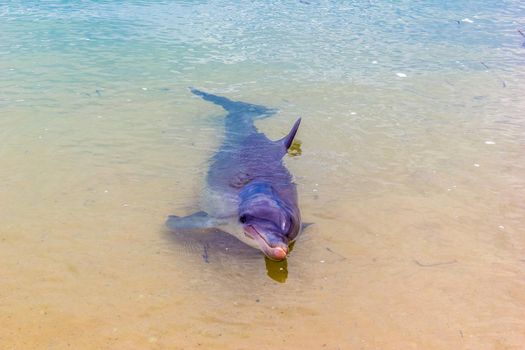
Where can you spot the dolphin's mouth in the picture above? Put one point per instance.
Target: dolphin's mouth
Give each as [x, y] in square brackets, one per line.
[274, 253]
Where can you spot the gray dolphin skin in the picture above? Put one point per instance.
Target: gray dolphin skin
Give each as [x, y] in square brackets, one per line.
[249, 192]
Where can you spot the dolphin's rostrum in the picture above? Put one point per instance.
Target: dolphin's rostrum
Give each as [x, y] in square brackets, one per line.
[249, 192]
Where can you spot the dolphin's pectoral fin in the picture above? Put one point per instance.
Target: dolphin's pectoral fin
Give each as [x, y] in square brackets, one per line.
[199, 220]
[305, 225]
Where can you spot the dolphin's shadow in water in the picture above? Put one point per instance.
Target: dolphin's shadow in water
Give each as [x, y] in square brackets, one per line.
[219, 248]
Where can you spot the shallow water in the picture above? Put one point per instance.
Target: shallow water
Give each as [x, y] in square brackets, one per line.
[412, 171]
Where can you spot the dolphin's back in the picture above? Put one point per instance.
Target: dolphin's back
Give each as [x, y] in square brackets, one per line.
[252, 157]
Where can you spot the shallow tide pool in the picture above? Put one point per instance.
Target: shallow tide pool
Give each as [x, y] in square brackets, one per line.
[412, 171]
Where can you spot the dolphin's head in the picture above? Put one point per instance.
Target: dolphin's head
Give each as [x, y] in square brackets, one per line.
[268, 220]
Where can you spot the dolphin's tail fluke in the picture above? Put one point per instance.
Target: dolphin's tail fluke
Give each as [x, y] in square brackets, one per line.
[235, 107]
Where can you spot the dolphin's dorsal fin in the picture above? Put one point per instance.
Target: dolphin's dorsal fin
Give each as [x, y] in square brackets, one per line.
[288, 139]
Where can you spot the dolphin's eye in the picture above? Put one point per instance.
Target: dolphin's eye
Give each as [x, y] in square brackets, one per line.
[243, 219]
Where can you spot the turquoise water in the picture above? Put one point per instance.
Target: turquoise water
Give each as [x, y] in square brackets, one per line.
[412, 170]
[50, 46]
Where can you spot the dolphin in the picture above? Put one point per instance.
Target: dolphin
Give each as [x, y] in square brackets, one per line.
[249, 193]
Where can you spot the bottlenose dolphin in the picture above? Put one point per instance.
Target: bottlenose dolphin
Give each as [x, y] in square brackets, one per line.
[249, 193]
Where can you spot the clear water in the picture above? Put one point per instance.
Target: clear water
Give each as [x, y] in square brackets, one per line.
[412, 169]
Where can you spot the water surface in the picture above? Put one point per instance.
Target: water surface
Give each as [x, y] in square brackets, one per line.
[412, 169]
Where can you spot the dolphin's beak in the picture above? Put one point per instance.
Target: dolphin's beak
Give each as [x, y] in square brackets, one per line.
[275, 252]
